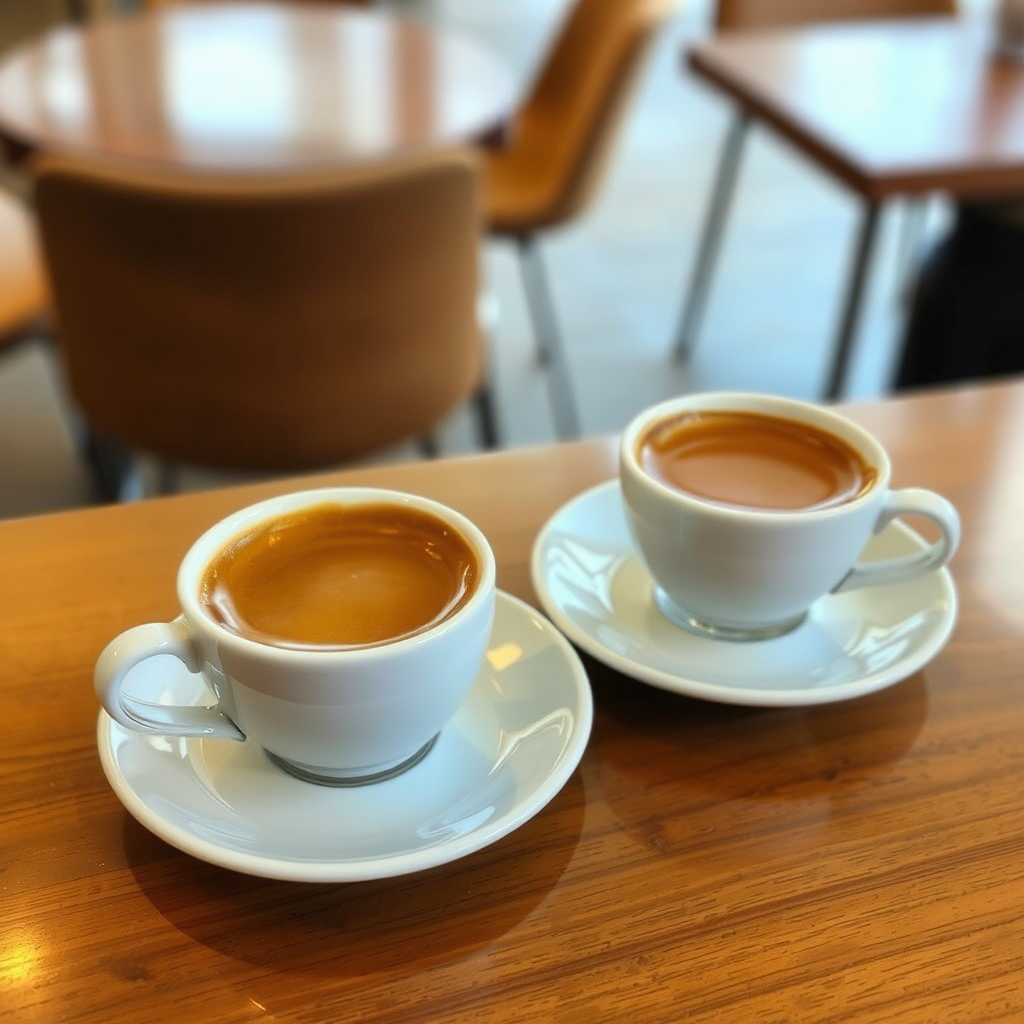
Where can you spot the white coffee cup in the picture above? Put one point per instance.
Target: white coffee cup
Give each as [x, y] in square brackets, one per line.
[336, 716]
[753, 573]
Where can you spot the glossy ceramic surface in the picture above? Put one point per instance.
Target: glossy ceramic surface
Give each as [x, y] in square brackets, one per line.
[509, 749]
[599, 594]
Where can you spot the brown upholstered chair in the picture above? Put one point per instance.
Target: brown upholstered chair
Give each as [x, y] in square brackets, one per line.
[560, 142]
[733, 15]
[266, 324]
[24, 291]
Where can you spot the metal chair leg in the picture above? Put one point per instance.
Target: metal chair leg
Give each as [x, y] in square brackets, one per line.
[488, 315]
[428, 446]
[486, 424]
[852, 302]
[117, 474]
[710, 238]
[487, 421]
[526, 247]
[549, 344]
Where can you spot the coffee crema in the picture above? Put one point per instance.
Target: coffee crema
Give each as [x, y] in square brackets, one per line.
[752, 460]
[336, 577]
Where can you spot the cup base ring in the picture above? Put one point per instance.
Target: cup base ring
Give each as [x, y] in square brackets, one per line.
[679, 616]
[339, 777]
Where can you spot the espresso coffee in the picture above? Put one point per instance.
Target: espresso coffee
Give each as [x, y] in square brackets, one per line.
[338, 576]
[753, 460]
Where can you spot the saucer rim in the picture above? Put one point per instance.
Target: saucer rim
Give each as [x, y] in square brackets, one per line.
[385, 866]
[689, 686]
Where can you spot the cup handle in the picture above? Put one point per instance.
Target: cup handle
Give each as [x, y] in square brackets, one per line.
[916, 502]
[137, 644]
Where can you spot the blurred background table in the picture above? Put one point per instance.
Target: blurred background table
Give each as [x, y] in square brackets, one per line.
[260, 87]
[890, 108]
[858, 861]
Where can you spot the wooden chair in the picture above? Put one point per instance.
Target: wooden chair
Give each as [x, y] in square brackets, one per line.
[560, 142]
[24, 291]
[733, 15]
[266, 324]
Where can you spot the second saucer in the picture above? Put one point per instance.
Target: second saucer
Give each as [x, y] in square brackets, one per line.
[598, 592]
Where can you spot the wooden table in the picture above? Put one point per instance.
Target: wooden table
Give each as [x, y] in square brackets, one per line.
[890, 108]
[252, 88]
[856, 862]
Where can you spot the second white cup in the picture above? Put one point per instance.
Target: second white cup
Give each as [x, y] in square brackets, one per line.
[748, 508]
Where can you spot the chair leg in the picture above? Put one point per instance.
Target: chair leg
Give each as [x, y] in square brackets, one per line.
[487, 429]
[545, 328]
[710, 238]
[116, 472]
[549, 343]
[852, 302]
[428, 446]
[487, 421]
[488, 314]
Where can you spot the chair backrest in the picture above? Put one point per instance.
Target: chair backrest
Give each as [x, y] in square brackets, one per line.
[739, 14]
[565, 129]
[23, 288]
[265, 324]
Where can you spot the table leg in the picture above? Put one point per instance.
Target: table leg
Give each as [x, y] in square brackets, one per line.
[853, 300]
[710, 237]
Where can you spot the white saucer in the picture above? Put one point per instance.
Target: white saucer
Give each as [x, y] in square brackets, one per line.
[600, 595]
[509, 749]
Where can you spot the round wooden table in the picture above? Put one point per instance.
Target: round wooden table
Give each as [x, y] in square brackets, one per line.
[250, 87]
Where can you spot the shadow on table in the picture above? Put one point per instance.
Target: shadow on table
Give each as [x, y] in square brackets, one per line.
[683, 775]
[393, 924]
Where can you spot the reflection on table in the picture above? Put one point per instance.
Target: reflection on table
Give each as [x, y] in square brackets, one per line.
[250, 87]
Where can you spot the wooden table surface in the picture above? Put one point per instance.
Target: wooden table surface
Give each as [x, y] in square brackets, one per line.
[250, 87]
[889, 107]
[856, 862]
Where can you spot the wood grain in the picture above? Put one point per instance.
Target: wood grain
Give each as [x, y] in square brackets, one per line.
[250, 87]
[859, 862]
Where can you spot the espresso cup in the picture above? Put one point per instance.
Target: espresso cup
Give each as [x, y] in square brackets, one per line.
[339, 629]
[748, 508]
